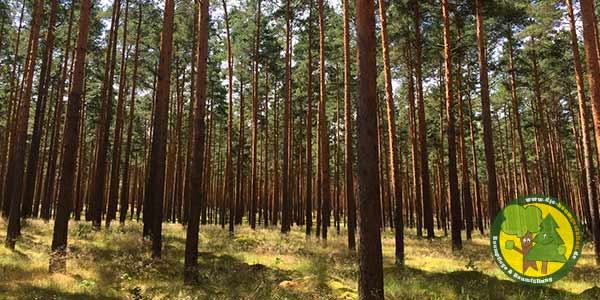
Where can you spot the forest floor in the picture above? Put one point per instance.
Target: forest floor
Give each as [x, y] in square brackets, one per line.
[261, 264]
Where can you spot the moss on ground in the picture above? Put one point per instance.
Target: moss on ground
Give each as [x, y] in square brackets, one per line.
[261, 264]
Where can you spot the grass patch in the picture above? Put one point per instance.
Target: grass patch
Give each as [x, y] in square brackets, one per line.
[261, 264]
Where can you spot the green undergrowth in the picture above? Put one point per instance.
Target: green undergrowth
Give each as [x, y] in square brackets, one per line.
[261, 264]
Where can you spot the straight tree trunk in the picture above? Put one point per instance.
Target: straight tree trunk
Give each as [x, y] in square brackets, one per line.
[254, 178]
[167, 207]
[46, 68]
[488, 142]
[427, 203]
[337, 151]
[113, 195]
[442, 193]
[265, 194]
[478, 200]
[591, 54]
[81, 163]
[450, 131]
[309, 120]
[370, 277]
[465, 187]
[71, 139]
[209, 176]
[12, 106]
[178, 188]
[190, 125]
[517, 115]
[100, 163]
[240, 160]
[229, 196]
[323, 129]
[47, 197]
[147, 207]
[542, 124]
[348, 151]
[276, 191]
[16, 166]
[191, 241]
[45, 155]
[125, 187]
[395, 176]
[285, 182]
[158, 152]
[416, 189]
[589, 191]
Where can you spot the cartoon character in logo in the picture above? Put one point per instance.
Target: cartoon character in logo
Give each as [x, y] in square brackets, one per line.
[549, 246]
[522, 222]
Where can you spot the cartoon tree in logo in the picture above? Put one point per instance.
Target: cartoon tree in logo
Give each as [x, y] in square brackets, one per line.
[522, 222]
[549, 246]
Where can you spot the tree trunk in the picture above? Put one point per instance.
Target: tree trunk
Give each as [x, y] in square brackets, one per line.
[488, 142]
[71, 139]
[370, 278]
[381, 166]
[276, 191]
[229, 196]
[477, 194]
[48, 191]
[191, 242]
[159, 135]
[337, 151]
[591, 54]
[190, 125]
[450, 131]
[427, 206]
[586, 168]
[348, 151]
[16, 166]
[113, 195]
[323, 129]
[32, 162]
[286, 204]
[125, 188]
[415, 155]
[465, 187]
[394, 166]
[254, 178]
[517, 116]
[81, 163]
[99, 179]
[147, 207]
[240, 160]
[442, 190]
[541, 124]
[309, 120]
[265, 194]
[12, 106]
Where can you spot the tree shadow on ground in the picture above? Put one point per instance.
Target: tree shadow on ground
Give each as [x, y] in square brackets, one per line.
[585, 273]
[220, 276]
[419, 284]
[225, 277]
[30, 292]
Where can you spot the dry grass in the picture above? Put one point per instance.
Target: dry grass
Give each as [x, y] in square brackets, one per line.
[261, 264]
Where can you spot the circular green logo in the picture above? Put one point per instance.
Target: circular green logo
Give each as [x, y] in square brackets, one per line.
[536, 240]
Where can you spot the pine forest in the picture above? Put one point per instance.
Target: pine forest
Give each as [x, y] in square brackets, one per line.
[296, 149]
